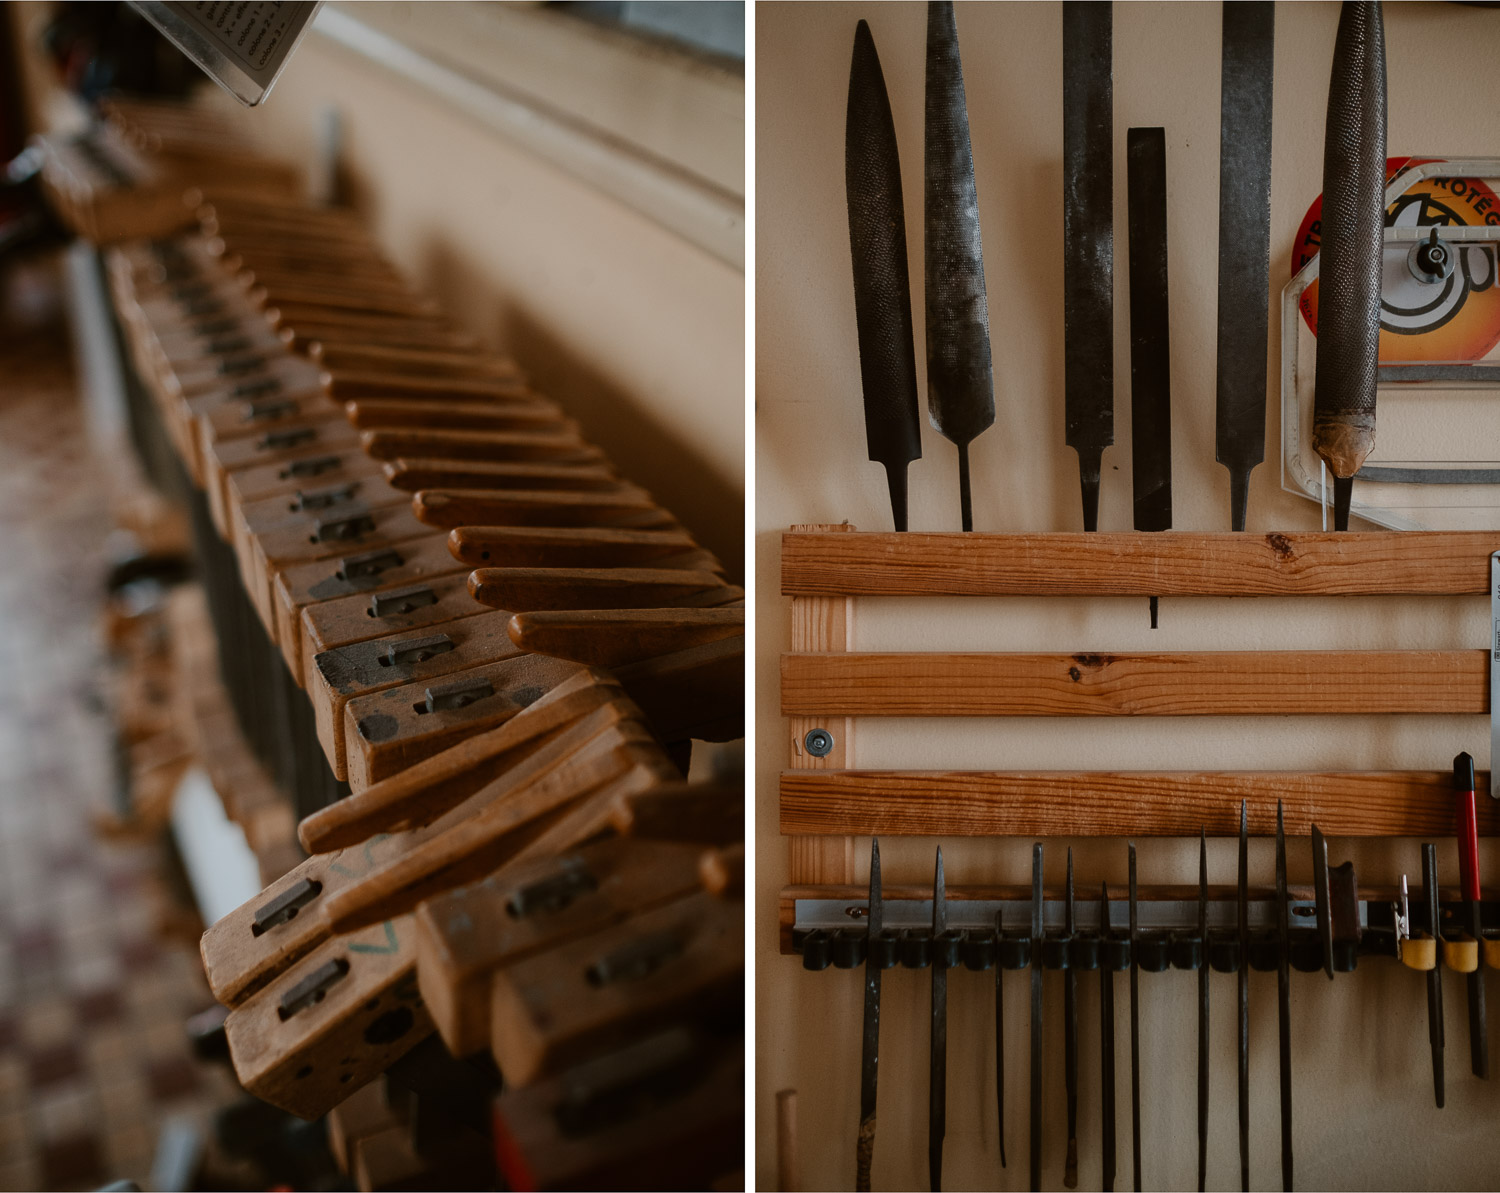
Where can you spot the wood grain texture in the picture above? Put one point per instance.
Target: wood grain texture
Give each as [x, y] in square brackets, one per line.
[821, 624]
[547, 1015]
[573, 546]
[421, 793]
[464, 935]
[410, 475]
[1209, 683]
[1130, 564]
[614, 637]
[625, 505]
[1107, 804]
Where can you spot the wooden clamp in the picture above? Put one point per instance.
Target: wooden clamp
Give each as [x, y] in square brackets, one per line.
[259, 939]
[682, 963]
[371, 569]
[330, 1022]
[422, 792]
[410, 475]
[465, 934]
[667, 1110]
[362, 668]
[584, 546]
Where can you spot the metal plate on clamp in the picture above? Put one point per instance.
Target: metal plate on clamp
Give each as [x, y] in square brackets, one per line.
[274, 408]
[315, 466]
[350, 524]
[555, 892]
[636, 960]
[321, 499]
[233, 366]
[258, 388]
[419, 650]
[370, 563]
[285, 906]
[291, 437]
[311, 989]
[401, 600]
[460, 694]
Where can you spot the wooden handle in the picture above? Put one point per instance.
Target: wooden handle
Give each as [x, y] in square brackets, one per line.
[1172, 563]
[411, 475]
[558, 447]
[566, 546]
[788, 1165]
[683, 812]
[524, 589]
[613, 637]
[723, 871]
[625, 505]
[425, 791]
[345, 384]
[478, 414]
[378, 358]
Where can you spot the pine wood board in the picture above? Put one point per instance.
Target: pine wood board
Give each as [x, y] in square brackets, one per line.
[1136, 564]
[1207, 683]
[821, 624]
[1107, 804]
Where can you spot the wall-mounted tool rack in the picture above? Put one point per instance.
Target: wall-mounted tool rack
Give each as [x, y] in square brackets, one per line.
[824, 804]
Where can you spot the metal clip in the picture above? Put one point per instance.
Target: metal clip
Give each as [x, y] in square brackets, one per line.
[418, 650]
[321, 499]
[233, 366]
[401, 600]
[354, 524]
[291, 437]
[311, 990]
[370, 563]
[258, 388]
[638, 959]
[260, 411]
[552, 894]
[457, 695]
[285, 906]
[313, 467]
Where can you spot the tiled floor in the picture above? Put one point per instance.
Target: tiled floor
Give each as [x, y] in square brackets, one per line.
[93, 1053]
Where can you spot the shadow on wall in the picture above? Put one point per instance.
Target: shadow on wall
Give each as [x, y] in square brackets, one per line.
[642, 446]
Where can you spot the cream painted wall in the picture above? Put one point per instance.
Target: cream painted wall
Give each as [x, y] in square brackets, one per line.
[1362, 1087]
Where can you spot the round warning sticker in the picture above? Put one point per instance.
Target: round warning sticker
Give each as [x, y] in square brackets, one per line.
[1426, 313]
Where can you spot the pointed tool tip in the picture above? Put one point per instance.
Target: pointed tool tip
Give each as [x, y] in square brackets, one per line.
[1239, 498]
[1343, 498]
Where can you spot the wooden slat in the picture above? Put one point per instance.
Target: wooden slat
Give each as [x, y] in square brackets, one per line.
[1105, 804]
[821, 624]
[1165, 564]
[1210, 683]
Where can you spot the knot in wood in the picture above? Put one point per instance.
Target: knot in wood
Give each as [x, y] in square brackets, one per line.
[1281, 547]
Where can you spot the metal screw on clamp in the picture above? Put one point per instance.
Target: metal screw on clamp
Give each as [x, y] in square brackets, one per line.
[819, 742]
